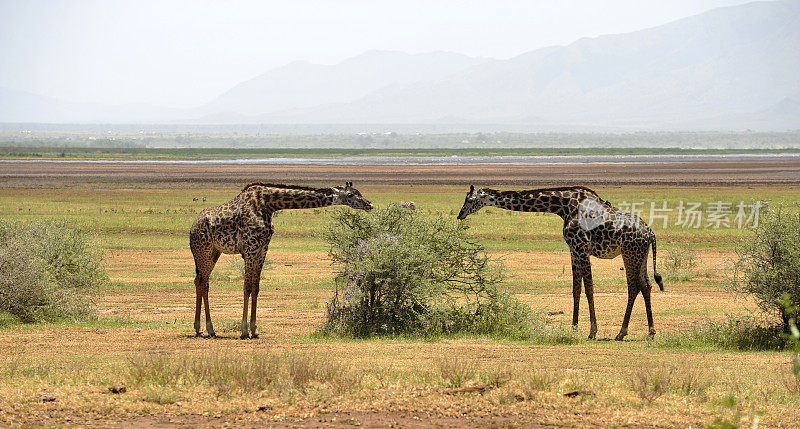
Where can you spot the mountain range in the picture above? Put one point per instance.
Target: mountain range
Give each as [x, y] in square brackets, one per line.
[729, 68]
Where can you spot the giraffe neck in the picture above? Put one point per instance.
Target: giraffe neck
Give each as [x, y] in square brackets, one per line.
[561, 202]
[274, 199]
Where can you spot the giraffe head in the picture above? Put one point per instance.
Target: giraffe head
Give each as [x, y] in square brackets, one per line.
[349, 196]
[476, 198]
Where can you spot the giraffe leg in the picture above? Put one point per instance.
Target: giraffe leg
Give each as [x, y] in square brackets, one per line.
[255, 281]
[254, 304]
[200, 283]
[589, 288]
[209, 325]
[646, 287]
[577, 278]
[198, 288]
[204, 260]
[624, 330]
[582, 271]
[632, 274]
[247, 273]
[651, 330]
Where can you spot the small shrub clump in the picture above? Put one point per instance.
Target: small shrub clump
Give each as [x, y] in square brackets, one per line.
[768, 268]
[651, 383]
[680, 263]
[455, 371]
[48, 271]
[768, 271]
[404, 273]
[735, 333]
[793, 381]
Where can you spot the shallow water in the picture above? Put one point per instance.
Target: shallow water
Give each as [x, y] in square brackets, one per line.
[448, 160]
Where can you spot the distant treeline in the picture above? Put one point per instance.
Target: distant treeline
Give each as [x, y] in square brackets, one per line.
[392, 140]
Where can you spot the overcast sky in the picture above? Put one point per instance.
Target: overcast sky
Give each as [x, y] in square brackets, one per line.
[184, 53]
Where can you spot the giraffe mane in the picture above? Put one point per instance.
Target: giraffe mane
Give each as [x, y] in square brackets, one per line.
[555, 189]
[560, 188]
[280, 186]
[567, 188]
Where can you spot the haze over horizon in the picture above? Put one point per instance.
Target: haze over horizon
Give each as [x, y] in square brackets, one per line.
[185, 53]
[579, 65]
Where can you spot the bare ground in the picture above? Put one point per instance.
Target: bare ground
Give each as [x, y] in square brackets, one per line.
[769, 171]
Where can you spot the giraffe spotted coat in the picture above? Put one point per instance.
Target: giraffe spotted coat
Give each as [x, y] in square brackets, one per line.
[592, 227]
[243, 226]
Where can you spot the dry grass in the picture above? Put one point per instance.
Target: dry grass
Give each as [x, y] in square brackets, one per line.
[162, 395]
[651, 383]
[231, 377]
[281, 373]
[144, 339]
[456, 371]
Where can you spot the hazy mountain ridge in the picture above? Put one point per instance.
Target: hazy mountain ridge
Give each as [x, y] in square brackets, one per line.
[23, 106]
[727, 61]
[302, 84]
[728, 68]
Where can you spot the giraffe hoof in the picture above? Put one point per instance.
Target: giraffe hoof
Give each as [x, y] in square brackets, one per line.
[254, 336]
[592, 336]
[245, 337]
[198, 334]
[619, 337]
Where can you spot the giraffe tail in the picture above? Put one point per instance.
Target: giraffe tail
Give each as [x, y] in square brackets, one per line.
[656, 275]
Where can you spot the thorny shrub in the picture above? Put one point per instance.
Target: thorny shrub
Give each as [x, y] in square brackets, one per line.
[48, 271]
[403, 273]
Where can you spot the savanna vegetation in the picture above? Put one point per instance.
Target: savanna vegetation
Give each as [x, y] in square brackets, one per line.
[48, 272]
[707, 365]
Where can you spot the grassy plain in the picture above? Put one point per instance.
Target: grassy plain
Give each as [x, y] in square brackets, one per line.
[144, 339]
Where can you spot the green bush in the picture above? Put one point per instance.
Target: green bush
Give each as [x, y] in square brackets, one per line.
[403, 273]
[793, 383]
[48, 271]
[735, 332]
[769, 265]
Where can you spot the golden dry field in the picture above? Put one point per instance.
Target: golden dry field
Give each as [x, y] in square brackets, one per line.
[59, 374]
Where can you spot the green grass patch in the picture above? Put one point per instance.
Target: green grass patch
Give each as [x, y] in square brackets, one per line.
[160, 218]
[734, 333]
[7, 319]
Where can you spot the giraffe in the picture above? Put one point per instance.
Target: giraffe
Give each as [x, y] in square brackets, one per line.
[243, 225]
[592, 227]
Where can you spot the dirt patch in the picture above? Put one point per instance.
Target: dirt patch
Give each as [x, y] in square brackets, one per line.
[346, 419]
[721, 172]
[158, 422]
